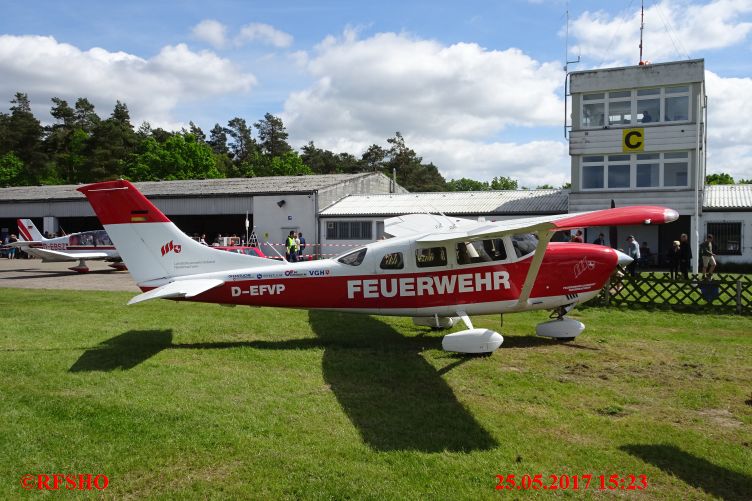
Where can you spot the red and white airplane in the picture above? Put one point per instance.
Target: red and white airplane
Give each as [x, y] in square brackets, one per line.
[74, 247]
[436, 269]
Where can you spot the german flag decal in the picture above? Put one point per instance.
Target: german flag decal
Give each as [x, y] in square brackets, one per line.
[139, 216]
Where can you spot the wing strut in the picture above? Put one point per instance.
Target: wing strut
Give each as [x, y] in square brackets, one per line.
[543, 238]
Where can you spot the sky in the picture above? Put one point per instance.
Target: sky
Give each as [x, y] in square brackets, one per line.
[476, 87]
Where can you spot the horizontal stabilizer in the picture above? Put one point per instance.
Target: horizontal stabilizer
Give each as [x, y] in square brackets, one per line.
[179, 289]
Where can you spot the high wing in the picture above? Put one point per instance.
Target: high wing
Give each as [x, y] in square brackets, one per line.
[179, 289]
[434, 228]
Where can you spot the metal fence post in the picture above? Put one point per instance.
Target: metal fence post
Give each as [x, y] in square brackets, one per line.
[739, 296]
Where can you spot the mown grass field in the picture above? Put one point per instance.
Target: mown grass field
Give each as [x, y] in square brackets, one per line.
[190, 401]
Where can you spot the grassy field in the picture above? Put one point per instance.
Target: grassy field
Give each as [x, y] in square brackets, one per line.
[183, 401]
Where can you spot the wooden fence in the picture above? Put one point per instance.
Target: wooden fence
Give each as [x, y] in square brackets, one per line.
[726, 293]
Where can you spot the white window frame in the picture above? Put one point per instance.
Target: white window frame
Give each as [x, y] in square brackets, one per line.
[634, 106]
[633, 162]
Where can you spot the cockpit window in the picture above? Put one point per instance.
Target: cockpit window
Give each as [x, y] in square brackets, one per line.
[354, 258]
[481, 251]
[392, 261]
[524, 243]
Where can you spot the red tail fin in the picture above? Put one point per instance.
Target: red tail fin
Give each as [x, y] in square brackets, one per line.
[119, 202]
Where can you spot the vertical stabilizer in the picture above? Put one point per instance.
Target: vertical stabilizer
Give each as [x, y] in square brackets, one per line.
[28, 231]
[151, 246]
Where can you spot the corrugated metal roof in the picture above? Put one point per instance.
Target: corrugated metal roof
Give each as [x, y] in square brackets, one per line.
[196, 187]
[731, 196]
[456, 203]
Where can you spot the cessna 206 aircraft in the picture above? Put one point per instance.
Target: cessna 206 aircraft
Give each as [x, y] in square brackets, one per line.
[74, 247]
[436, 269]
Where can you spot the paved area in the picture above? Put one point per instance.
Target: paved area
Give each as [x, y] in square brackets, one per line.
[33, 274]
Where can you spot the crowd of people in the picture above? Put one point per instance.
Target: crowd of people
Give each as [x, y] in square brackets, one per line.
[678, 258]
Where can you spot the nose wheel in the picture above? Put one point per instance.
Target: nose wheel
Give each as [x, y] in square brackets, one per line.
[559, 327]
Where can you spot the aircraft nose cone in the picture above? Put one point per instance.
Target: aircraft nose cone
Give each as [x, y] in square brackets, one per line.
[623, 259]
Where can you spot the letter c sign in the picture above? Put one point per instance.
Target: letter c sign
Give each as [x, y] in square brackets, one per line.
[633, 140]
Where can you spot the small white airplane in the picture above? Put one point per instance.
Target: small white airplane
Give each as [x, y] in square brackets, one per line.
[436, 269]
[74, 247]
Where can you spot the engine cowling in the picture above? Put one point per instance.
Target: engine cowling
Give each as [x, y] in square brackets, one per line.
[472, 341]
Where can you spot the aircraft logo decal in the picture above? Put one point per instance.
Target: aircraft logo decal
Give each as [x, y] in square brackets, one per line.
[582, 266]
[170, 246]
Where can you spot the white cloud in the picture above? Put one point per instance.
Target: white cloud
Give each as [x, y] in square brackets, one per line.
[152, 88]
[264, 33]
[673, 29]
[729, 125]
[211, 31]
[462, 94]
[533, 164]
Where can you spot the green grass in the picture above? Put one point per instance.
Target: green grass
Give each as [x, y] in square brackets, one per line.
[191, 401]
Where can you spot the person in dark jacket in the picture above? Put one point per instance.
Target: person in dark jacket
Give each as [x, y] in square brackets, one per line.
[685, 255]
[674, 260]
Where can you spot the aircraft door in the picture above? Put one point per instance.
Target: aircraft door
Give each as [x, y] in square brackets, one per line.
[391, 265]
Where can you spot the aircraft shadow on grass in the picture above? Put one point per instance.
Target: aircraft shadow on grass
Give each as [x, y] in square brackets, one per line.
[391, 394]
[695, 471]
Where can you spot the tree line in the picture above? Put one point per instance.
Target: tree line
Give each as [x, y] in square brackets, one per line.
[82, 147]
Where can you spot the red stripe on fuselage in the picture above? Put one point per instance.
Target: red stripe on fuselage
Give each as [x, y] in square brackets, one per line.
[567, 269]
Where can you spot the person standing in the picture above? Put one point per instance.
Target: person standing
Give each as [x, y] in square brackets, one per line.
[601, 240]
[13, 251]
[674, 260]
[708, 257]
[633, 251]
[291, 248]
[577, 238]
[685, 255]
[301, 246]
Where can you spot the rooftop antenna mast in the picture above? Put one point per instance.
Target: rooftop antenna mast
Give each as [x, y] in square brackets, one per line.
[642, 27]
[567, 62]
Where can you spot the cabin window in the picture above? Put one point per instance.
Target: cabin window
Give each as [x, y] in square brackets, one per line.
[392, 261]
[349, 230]
[481, 251]
[430, 257]
[524, 244]
[354, 258]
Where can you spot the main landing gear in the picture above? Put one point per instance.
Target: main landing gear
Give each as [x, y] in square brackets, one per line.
[471, 340]
[80, 267]
[560, 328]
